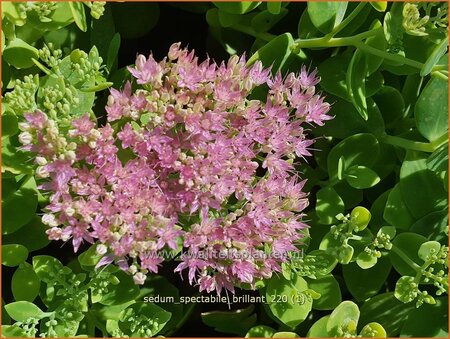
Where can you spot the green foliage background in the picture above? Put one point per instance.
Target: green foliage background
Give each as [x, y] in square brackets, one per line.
[376, 255]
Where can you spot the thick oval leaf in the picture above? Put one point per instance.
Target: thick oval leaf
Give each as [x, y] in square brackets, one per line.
[328, 205]
[47, 267]
[20, 207]
[260, 331]
[286, 300]
[360, 149]
[329, 290]
[274, 53]
[13, 255]
[145, 16]
[77, 9]
[386, 310]
[235, 322]
[434, 57]
[356, 82]
[319, 328]
[361, 177]
[373, 330]
[427, 321]
[25, 283]
[344, 317]
[326, 15]
[32, 235]
[431, 111]
[237, 7]
[409, 244]
[20, 54]
[366, 283]
[396, 213]
[427, 249]
[433, 226]
[22, 310]
[380, 6]
[10, 125]
[121, 293]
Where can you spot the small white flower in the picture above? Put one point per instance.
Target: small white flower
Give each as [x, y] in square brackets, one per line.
[139, 278]
[70, 211]
[25, 138]
[132, 269]
[41, 161]
[49, 220]
[101, 249]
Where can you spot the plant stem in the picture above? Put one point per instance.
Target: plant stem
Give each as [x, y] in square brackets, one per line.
[408, 144]
[405, 258]
[388, 56]
[346, 21]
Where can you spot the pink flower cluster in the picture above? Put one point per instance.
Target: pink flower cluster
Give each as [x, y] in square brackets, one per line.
[188, 159]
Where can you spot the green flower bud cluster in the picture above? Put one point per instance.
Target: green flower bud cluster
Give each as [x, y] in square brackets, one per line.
[58, 99]
[87, 66]
[22, 98]
[43, 9]
[139, 324]
[28, 326]
[413, 23]
[50, 55]
[314, 264]
[97, 8]
[435, 259]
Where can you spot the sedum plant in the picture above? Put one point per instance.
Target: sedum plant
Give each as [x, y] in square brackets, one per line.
[243, 157]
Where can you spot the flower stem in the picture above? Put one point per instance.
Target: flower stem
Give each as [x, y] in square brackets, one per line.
[347, 20]
[405, 258]
[408, 144]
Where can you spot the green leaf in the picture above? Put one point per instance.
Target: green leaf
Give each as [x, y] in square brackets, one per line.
[344, 317]
[348, 122]
[438, 161]
[260, 331]
[404, 291]
[433, 226]
[275, 52]
[227, 19]
[264, 21]
[434, 57]
[102, 34]
[391, 104]
[96, 88]
[22, 310]
[89, 257]
[427, 321]
[12, 12]
[19, 54]
[386, 310]
[241, 7]
[77, 9]
[361, 177]
[14, 160]
[319, 328]
[414, 173]
[287, 300]
[285, 335]
[366, 283]
[373, 330]
[378, 41]
[360, 149]
[25, 283]
[333, 72]
[366, 260]
[66, 328]
[113, 51]
[427, 249]
[125, 291]
[396, 213]
[329, 290]
[13, 255]
[47, 268]
[235, 322]
[409, 244]
[326, 15]
[380, 6]
[274, 7]
[431, 111]
[329, 204]
[10, 125]
[13, 331]
[32, 235]
[356, 77]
